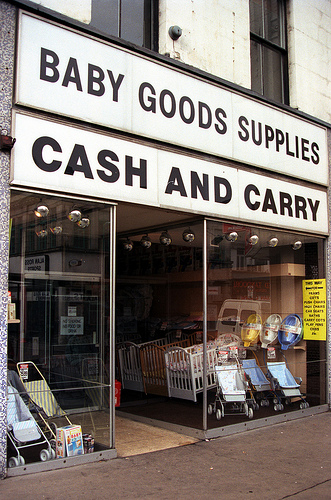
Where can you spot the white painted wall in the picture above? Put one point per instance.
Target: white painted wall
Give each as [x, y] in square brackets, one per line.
[215, 36]
[309, 46]
[76, 9]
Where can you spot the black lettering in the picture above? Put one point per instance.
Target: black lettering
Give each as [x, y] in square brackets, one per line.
[241, 121]
[175, 183]
[300, 206]
[257, 141]
[269, 135]
[37, 154]
[196, 184]
[115, 84]
[305, 149]
[140, 171]
[287, 142]
[172, 111]
[95, 77]
[48, 61]
[280, 138]
[151, 100]
[314, 208]
[315, 157]
[218, 182]
[78, 162]
[269, 202]
[218, 114]
[182, 102]
[297, 154]
[204, 107]
[285, 203]
[72, 75]
[103, 161]
[251, 188]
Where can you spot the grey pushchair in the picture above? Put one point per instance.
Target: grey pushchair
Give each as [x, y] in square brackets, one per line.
[231, 391]
[23, 431]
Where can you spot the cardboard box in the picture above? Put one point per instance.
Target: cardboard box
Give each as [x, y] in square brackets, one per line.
[69, 441]
[11, 311]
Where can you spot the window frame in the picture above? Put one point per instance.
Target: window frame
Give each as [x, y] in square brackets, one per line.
[282, 50]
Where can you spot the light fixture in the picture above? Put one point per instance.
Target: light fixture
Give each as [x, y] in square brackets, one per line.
[42, 233]
[165, 239]
[146, 241]
[83, 222]
[127, 245]
[253, 240]
[41, 211]
[188, 235]
[273, 242]
[297, 245]
[175, 32]
[75, 215]
[56, 229]
[232, 236]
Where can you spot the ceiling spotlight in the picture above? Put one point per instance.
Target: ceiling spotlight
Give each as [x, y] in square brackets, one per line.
[83, 222]
[56, 229]
[253, 240]
[42, 233]
[188, 235]
[74, 215]
[165, 239]
[146, 241]
[232, 236]
[41, 211]
[297, 245]
[273, 242]
[127, 245]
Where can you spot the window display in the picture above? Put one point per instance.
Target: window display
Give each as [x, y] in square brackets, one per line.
[59, 326]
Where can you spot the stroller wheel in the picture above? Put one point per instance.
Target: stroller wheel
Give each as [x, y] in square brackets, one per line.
[53, 454]
[250, 413]
[210, 409]
[13, 462]
[218, 414]
[45, 455]
[21, 459]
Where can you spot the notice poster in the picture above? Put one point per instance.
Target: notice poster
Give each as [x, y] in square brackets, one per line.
[314, 309]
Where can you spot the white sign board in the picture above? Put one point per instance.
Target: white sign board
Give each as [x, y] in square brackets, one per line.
[35, 263]
[74, 75]
[73, 159]
[72, 325]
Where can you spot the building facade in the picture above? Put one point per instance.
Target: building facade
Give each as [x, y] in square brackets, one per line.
[164, 220]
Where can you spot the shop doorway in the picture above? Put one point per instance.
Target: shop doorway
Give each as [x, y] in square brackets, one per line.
[251, 274]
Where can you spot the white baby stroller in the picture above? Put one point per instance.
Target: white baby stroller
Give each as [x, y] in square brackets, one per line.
[284, 385]
[23, 431]
[231, 391]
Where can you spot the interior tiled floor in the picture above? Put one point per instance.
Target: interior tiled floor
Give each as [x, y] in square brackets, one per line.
[135, 438]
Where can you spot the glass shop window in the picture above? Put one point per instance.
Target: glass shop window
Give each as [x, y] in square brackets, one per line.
[59, 327]
[268, 308]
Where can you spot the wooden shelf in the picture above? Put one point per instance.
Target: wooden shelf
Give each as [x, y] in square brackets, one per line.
[10, 321]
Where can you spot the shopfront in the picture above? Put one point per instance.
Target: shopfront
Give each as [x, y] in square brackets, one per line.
[161, 226]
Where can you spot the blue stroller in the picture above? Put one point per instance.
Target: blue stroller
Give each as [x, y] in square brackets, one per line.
[259, 383]
[284, 385]
[23, 431]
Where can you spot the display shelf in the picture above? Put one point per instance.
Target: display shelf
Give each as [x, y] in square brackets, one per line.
[11, 321]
